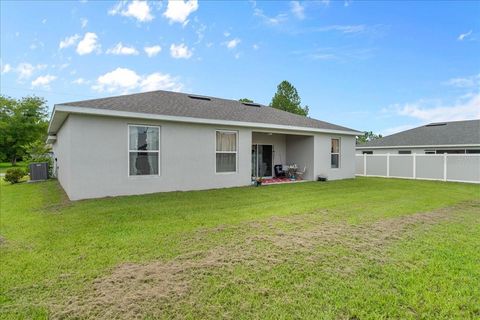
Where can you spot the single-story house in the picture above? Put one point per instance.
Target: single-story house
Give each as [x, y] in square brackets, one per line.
[166, 141]
[461, 137]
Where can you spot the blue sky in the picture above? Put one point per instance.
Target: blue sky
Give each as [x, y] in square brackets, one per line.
[381, 66]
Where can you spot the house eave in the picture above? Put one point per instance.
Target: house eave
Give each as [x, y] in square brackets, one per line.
[60, 113]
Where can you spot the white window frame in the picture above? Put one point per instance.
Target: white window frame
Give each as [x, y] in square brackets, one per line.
[339, 152]
[152, 151]
[235, 152]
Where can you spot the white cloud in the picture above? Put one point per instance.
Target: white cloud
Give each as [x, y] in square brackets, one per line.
[464, 108]
[297, 10]
[237, 55]
[125, 80]
[43, 81]
[44, 21]
[6, 68]
[139, 10]
[159, 81]
[120, 49]
[463, 36]
[80, 81]
[256, 47]
[359, 28]
[88, 44]
[466, 82]
[400, 128]
[179, 51]
[272, 21]
[232, 43]
[25, 70]
[83, 22]
[179, 10]
[36, 44]
[68, 41]
[200, 31]
[226, 34]
[152, 51]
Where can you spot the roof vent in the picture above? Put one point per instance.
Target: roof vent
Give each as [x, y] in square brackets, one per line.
[436, 124]
[251, 104]
[200, 98]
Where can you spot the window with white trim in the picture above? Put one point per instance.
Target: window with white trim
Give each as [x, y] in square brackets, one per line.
[335, 153]
[143, 150]
[226, 151]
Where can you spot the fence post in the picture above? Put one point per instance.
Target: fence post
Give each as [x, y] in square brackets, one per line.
[365, 164]
[445, 167]
[414, 166]
[388, 165]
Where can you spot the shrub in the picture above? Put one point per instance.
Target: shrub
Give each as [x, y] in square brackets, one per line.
[14, 175]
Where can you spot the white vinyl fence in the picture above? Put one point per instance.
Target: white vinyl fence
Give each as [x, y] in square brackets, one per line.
[445, 167]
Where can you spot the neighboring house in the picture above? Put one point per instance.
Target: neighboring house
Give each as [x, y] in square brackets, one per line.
[434, 138]
[166, 141]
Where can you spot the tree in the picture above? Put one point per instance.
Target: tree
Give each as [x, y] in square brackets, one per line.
[22, 122]
[368, 136]
[246, 100]
[286, 98]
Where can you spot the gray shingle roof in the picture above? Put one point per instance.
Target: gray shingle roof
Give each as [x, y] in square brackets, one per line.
[433, 134]
[180, 104]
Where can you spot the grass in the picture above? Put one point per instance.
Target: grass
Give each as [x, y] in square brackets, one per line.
[4, 166]
[353, 249]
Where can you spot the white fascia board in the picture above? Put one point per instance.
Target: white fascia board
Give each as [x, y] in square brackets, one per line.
[51, 139]
[126, 114]
[424, 146]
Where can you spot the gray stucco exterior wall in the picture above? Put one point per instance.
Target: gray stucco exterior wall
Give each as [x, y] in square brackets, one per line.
[322, 146]
[92, 154]
[300, 150]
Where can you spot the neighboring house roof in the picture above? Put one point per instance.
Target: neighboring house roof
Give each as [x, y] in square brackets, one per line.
[461, 133]
[193, 107]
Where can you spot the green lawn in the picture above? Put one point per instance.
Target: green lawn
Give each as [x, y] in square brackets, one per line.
[4, 166]
[367, 248]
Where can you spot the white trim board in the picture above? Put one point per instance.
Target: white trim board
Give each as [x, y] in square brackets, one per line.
[61, 112]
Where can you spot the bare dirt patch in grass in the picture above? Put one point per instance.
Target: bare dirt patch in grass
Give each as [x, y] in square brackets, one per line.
[136, 290]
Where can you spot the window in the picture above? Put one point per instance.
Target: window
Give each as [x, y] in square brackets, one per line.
[473, 150]
[226, 152]
[335, 153]
[451, 151]
[429, 151]
[404, 152]
[367, 152]
[143, 150]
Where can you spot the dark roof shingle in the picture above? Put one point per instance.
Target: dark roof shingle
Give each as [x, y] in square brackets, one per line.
[182, 105]
[445, 133]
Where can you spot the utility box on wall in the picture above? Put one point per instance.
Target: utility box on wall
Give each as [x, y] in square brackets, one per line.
[38, 171]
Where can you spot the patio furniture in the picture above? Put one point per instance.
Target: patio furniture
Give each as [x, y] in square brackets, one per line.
[279, 171]
[299, 174]
[292, 169]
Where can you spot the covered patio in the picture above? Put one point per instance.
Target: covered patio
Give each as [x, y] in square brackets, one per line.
[282, 157]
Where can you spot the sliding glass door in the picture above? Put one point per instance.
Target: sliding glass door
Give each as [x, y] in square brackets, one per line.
[262, 160]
